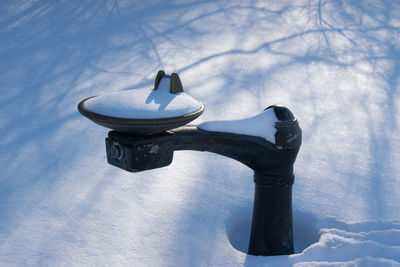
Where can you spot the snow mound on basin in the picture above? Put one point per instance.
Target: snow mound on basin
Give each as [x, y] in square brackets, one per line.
[144, 103]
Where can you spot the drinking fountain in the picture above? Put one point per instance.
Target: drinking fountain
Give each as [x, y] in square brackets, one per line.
[149, 125]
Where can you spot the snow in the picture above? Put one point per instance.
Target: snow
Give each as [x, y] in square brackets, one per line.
[261, 125]
[144, 103]
[335, 64]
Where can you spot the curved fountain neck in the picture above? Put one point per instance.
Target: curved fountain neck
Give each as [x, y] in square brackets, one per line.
[263, 157]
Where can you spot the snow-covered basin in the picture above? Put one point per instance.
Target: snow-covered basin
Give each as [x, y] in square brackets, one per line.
[144, 103]
[261, 125]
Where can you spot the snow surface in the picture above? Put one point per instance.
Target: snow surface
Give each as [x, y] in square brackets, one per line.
[144, 103]
[335, 64]
[261, 125]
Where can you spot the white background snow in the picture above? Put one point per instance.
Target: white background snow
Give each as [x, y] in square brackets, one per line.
[335, 64]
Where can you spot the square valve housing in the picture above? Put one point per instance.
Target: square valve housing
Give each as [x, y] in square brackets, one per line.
[135, 154]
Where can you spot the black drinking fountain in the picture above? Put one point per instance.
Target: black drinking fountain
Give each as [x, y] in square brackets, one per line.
[149, 125]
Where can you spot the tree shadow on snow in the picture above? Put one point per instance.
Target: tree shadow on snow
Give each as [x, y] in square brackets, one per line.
[71, 50]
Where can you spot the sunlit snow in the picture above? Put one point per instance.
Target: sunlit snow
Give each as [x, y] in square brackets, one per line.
[335, 64]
